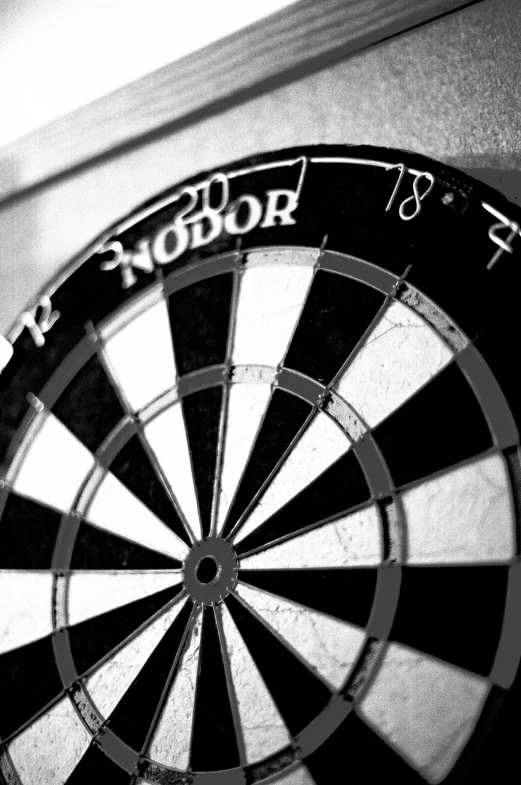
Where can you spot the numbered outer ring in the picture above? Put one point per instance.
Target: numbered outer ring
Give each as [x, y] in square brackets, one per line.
[419, 234]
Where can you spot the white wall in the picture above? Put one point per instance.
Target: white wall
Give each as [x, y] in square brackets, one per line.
[57, 55]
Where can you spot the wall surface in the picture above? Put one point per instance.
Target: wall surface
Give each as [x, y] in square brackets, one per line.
[449, 89]
[46, 49]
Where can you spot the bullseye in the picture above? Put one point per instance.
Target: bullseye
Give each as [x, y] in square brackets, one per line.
[210, 570]
[207, 570]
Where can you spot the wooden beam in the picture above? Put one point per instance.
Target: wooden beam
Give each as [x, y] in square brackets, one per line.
[305, 37]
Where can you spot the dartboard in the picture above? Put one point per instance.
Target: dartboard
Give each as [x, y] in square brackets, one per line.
[259, 488]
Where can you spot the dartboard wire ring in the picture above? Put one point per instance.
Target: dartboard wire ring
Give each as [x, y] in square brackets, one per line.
[389, 298]
[385, 591]
[68, 669]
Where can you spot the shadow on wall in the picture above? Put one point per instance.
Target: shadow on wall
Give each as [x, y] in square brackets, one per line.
[508, 181]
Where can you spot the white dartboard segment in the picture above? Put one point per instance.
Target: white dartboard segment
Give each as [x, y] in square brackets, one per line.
[54, 465]
[93, 592]
[352, 541]
[25, 607]
[322, 443]
[400, 355]
[6, 352]
[115, 509]
[166, 435]
[426, 708]
[246, 406]
[271, 297]
[170, 743]
[465, 515]
[108, 683]
[298, 776]
[329, 646]
[39, 753]
[140, 356]
[263, 729]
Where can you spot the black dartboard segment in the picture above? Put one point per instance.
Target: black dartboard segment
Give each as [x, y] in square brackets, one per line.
[95, 549]
[451, 422]
[285, 416]
[214, 741]
[133, 467]
[298, 693]
[337, 313]
[93, 639]
[89, 406]
[339, 489]
[200, 316]
[148, 689]
[329, 591]
[202, 413]
[30, 680]
[258, 485]
[29, 532]
[461, 601]
[96, 763]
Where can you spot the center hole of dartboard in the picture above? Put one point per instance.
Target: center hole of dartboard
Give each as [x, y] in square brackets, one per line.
[207, 570]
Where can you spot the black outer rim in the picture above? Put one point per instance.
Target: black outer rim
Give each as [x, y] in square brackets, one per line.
[473, 190]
